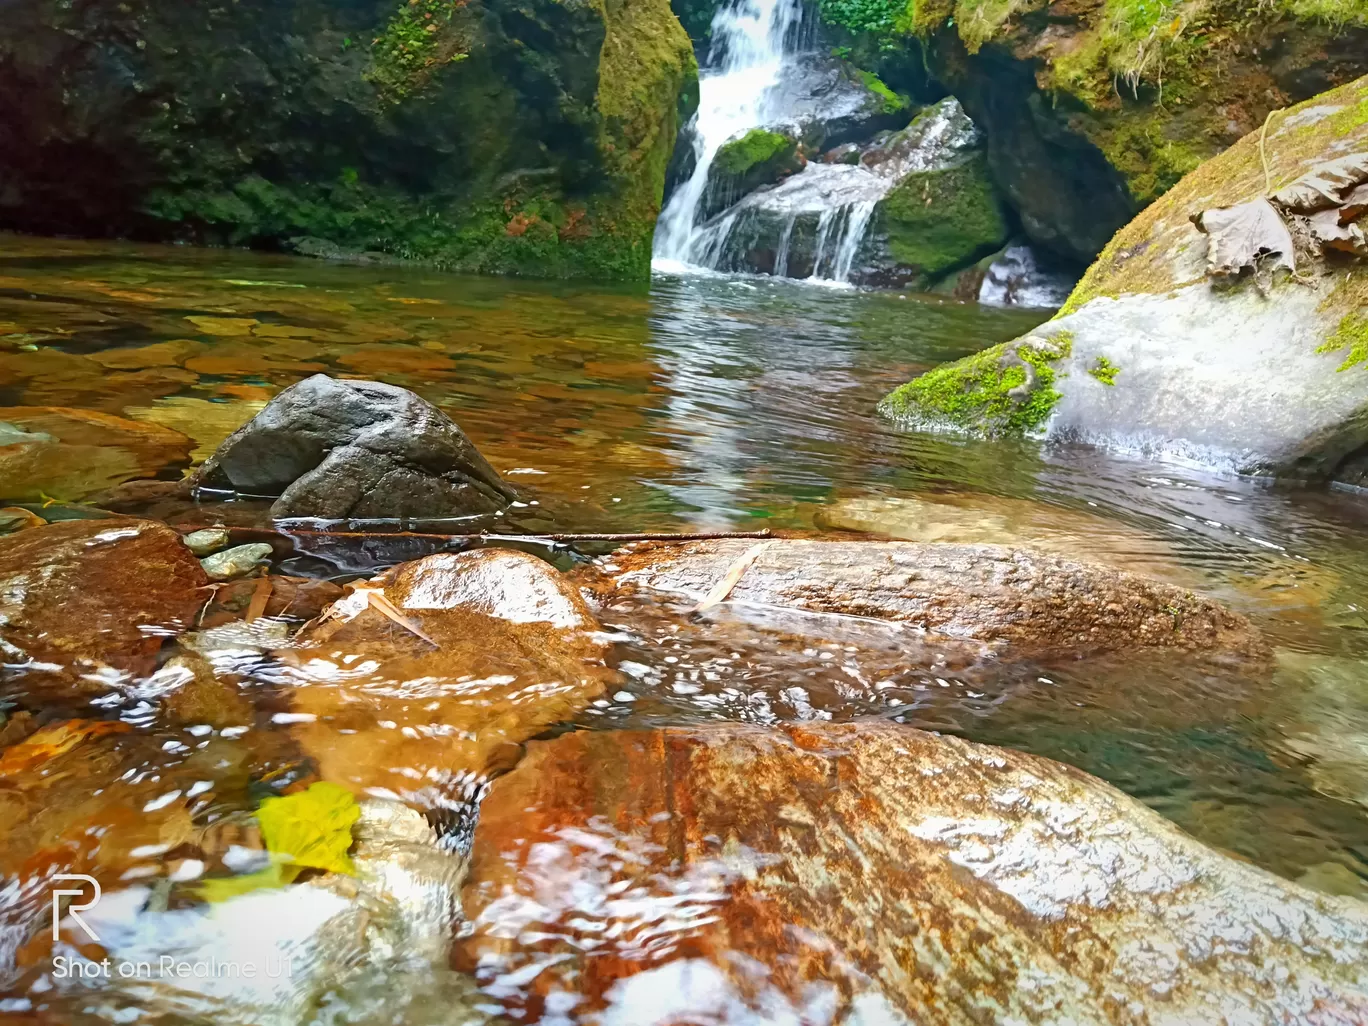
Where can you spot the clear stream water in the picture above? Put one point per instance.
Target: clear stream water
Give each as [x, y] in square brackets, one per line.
[709, 402]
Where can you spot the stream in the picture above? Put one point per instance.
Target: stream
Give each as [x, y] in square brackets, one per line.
[714, 403]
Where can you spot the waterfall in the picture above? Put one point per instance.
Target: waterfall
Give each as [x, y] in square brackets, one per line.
[749, 47]
[850, 222]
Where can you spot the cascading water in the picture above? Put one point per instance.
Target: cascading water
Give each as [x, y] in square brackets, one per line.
[750, 41]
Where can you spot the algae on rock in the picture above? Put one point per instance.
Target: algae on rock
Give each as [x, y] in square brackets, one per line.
[480, 136]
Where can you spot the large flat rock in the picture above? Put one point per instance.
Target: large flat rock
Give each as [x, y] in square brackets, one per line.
[1029, 602]
[871, 873]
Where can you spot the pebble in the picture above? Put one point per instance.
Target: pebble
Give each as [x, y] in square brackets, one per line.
[238, 561]
[208, 541]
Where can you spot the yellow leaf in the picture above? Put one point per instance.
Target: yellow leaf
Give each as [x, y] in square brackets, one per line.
[277, 874]
[311, 828]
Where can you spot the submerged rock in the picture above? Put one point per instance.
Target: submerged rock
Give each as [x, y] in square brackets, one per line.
[1030, 603]
[82, 600]
[48, 451]
[421, 682]
[875, 873]
[1149, 355]
[337, 449]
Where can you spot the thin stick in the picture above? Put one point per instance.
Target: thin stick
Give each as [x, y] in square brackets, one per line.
[269, 532]
[722, 589]
[1263, 157]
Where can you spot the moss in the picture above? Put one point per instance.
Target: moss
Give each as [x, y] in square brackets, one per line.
[1104, 371]
[945, 219]
[421, 36]
[1005, 391]
[892, 102]
[758, 146]
[1352, 334]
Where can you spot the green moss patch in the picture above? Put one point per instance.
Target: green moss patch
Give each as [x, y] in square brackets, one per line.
[1104, 371]
[421, 36]
[1352, 334]
[757, 148]
[891, 102]
[1005, 391]
[942, 220]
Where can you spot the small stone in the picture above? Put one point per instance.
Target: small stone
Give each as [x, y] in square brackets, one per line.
[207, 542]
[238, 561]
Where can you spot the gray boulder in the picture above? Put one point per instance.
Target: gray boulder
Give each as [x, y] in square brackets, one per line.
[359, 449]
[830, 103]
[1199, 347]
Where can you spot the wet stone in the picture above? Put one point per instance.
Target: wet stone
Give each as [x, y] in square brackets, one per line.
[82, 599]
[238, 561]
[1021, 601]
[207, 542]
[422, 682]
[875, 873]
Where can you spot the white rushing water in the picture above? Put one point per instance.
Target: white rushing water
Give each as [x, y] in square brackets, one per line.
[749, 44]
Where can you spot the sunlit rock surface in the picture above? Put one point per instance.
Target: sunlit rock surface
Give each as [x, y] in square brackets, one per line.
[331, 448]
[87, 603]
[1029, 602]
[494, 647]
[871, 873]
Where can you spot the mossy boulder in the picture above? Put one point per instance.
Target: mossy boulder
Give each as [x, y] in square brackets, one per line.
[1095, 108]
[941, 220]
[481, 136]
[742, 165]
[1166, 362]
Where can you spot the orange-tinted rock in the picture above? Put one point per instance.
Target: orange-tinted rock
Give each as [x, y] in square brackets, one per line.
[874, 873]
[82, 595]
[1032, 603]
[482, 650]
[70, 454]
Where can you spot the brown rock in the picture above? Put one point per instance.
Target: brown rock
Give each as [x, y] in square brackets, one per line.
[876, 873]
[1032, 603]
[81, 595]
[70, 454]
[480, 651]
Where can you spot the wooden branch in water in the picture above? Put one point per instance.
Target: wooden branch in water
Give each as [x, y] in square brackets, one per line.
[271, 532]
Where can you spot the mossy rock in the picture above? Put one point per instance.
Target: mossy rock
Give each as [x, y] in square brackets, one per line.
[942, 220]
[1166, 363]
[1095, 108]
[476, 136]
[760, 157]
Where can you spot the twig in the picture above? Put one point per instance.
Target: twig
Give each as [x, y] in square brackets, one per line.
[1263, 156]
[722, 589]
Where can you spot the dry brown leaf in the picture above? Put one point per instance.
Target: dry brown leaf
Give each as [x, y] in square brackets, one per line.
[1329, 233]
[1325, 186]
[261, 594]
[1247, 237]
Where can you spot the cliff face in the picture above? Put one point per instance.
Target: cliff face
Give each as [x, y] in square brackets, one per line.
[480, 135]
[1094, 108]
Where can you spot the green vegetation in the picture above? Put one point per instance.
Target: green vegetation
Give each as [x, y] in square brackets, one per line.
[876, 16]
[421, 36]
[945, 219]
[892, 102]
[1352, 334]
[759, 146]
[1005, 391]
[1104, 371]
